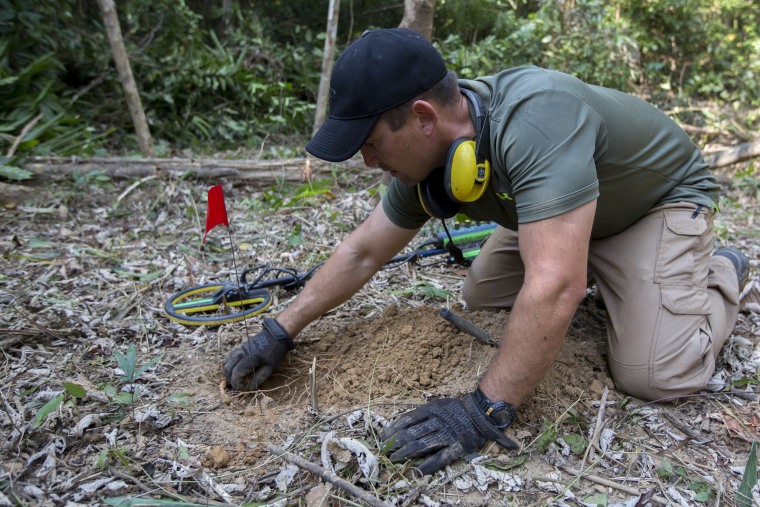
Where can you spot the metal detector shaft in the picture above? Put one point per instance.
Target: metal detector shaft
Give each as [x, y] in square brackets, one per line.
[467, 326]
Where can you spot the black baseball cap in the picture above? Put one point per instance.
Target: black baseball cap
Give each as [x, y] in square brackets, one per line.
[382, 69]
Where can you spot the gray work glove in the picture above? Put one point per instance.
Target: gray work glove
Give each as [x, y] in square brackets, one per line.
[442, 431]
[248, 365]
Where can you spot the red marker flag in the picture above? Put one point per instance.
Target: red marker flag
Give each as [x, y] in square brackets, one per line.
[217, 211]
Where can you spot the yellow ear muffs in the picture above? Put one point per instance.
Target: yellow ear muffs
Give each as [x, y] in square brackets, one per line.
[465, 176]
[466, 173]
[434, 198]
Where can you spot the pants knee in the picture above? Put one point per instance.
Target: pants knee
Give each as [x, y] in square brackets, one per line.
[640, 382]
[482, 300]
[473, 301]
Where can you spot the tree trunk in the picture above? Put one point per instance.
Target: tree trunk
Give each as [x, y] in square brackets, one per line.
[418, 15]
[111, 22]
[327, 64]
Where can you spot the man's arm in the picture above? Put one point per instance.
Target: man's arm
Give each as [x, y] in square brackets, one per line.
[361, 254]
[356, 259]
[555, 254]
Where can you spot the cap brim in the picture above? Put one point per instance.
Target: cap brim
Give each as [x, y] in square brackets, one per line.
[339, 140]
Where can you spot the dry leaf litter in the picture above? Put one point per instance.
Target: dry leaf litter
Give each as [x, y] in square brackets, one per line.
[85, 274]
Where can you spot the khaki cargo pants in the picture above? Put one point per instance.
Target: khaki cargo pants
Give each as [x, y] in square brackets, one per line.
[670, 304]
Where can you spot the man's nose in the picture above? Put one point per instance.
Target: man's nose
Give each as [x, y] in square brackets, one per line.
[370, 157]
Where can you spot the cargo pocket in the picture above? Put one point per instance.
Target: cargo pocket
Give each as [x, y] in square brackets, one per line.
[683, 239]
[682, 356]
[685, 300]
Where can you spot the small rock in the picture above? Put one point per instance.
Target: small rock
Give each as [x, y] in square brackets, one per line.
[218, 457]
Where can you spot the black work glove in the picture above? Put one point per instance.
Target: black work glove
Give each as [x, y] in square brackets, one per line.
[251, 363]
[442, 431]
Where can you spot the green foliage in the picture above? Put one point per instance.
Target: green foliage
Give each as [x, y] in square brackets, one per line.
[598, 499]
[576, 442]
[425, 290]
[698, 48]
[35, 117]
[14, 173]
[47, 409]
[748, 181]
[547, 437]
[749, 480]
[131, 373]
[230, 91]
[243, 75]
[128, 364]
[296, 236]
[73, 390]
[587, 42]
[118, 453]
[702, 490]
[703, 48]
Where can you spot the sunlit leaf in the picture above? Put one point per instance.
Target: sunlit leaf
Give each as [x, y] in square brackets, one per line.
[75, 390]
[47, 409]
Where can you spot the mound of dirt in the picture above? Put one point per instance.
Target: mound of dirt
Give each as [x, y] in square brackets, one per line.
[392, 362]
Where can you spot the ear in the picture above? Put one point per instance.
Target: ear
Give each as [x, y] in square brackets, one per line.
[425, 116]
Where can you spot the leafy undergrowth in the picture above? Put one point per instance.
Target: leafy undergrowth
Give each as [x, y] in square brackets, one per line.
[104, 399]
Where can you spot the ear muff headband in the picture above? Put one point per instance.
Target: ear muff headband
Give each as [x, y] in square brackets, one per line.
[434, 198]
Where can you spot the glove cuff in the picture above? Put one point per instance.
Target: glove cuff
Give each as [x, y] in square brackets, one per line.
[484, 424]
[501, 413]
[276, 330]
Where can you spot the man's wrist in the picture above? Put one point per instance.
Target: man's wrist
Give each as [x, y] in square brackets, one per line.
[500, 412]
[279, 332]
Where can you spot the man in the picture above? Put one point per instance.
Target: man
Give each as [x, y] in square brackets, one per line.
[582, 180]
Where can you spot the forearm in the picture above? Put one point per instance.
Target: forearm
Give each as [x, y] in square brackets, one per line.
[353, 263]
[333, 284]
[533, 336]
[555, 252]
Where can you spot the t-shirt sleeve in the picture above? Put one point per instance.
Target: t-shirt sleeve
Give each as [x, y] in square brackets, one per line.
[548, 143]
[402, 206]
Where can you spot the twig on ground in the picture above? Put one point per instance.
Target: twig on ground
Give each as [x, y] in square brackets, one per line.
[413, 495]
[226, 398]
[328, 476]
[159, 489]
[22, 135]
[610, 484]
[132, 187]
[594, 442]
[313, 386]
[680, 427]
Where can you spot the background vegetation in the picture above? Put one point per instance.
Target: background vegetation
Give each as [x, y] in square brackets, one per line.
[243, 75]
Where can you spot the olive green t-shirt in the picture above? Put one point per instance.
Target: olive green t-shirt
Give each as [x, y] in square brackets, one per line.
[557, 143]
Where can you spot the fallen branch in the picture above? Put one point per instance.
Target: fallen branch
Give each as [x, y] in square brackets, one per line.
[362, 495]
[10, 193]
[741, 153]
[597, 428]
[292, 169]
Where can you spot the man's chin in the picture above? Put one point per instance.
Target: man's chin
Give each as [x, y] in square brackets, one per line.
[406, 181]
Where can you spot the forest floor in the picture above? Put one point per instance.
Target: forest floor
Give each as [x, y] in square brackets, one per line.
[86, 272]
